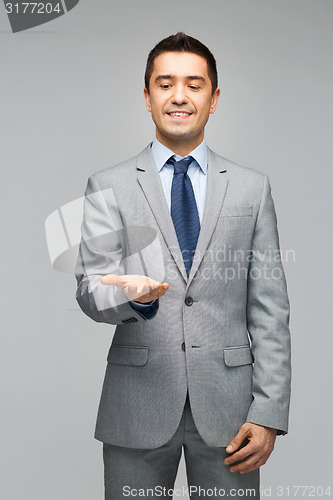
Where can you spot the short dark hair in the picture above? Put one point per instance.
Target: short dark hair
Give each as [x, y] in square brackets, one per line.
[180, 42]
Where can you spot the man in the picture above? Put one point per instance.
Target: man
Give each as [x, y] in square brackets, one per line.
[180, 250]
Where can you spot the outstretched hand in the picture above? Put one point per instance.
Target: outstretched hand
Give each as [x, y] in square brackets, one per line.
[261, 444]
[136, 287]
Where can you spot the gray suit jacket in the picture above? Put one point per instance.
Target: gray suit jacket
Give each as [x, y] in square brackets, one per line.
[222, 333]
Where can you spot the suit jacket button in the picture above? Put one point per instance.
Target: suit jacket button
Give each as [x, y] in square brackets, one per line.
[183, 346]
[189, 301]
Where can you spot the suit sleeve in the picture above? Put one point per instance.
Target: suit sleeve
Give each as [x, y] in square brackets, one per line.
[101, 252]
[268, 322]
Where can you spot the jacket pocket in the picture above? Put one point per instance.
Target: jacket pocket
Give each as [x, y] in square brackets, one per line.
[236, 211]
[128, 355]
[238, 355]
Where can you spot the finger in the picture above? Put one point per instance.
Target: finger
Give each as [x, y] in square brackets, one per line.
[149, 288]
[254, 462]
[254, 466]
[163, 288]
[132, 292]
[159, 291]
[149, 283]
[154, 293]
[144, 290]
[246, 465]
[248, 450]
[237, 440]
[110, 279]
[147, 297]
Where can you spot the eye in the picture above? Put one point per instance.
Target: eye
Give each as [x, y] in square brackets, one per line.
[165, 86]
[194, 87]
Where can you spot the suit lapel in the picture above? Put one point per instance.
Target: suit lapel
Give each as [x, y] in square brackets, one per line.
[217, 183]
[149, 180]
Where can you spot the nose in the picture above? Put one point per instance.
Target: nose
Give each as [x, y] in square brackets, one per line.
[179, 95]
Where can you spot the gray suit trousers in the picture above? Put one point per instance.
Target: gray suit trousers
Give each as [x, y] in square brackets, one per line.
[151, 473]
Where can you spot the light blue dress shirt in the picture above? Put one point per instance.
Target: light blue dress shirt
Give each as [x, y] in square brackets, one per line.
[197, 172]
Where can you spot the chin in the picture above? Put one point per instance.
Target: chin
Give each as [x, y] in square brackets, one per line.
[177, 132]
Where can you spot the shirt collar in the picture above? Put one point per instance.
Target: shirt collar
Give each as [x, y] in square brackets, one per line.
[161, 154]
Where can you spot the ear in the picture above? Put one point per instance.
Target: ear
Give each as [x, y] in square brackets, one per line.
[147, 99]
[215, 98]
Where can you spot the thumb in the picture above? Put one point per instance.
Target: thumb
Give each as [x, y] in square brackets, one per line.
[237, 441]
[110, 279]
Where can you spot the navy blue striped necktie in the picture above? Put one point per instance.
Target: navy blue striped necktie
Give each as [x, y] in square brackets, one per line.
[184, 211]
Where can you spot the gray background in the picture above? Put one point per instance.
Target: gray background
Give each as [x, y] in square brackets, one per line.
[72, 104]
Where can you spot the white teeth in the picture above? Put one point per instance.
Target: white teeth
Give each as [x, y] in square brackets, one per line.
[179, 114]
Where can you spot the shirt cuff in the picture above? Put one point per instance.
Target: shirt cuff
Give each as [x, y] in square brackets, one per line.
[147, 310]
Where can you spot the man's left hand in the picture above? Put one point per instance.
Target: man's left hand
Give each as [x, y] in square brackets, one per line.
[260, 446]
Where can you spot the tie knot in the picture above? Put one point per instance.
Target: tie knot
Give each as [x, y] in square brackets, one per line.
[181, 166]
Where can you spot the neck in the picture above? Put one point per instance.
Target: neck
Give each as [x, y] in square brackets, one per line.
[179, 146]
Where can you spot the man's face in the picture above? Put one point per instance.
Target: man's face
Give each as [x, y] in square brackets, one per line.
[180, 98]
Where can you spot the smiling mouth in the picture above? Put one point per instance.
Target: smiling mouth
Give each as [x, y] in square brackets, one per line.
[179, 114]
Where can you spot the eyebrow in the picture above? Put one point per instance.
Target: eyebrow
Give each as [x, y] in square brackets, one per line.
[171, 77]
